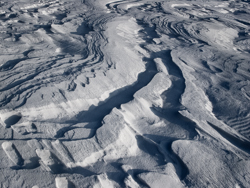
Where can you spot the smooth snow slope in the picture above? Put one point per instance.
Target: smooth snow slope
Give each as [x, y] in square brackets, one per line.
[104, 93]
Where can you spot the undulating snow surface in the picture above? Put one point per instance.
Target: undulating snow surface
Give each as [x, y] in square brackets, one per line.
[105, 93]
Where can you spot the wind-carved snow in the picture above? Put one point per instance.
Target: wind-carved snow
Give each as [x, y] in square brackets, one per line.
[124, 93]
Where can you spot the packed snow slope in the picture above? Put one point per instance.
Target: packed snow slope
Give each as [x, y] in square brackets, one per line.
[104, 93]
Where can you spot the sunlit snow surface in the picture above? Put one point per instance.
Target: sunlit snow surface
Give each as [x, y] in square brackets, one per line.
[103, 93]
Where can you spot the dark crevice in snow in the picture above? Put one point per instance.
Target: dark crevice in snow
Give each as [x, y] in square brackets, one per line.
[238, 142]
[172, 105]
[124, 95]
[172, 96]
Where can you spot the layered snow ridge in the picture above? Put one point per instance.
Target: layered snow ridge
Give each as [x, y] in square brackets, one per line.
[106, 93]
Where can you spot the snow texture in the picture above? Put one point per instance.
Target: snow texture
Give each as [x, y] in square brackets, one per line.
[125, 93]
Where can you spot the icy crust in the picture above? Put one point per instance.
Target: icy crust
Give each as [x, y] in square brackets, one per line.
[124, 94]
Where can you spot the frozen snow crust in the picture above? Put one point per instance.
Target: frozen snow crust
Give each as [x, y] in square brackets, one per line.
[104, 93]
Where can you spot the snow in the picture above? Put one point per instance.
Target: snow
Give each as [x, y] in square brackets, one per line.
[107, 93]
